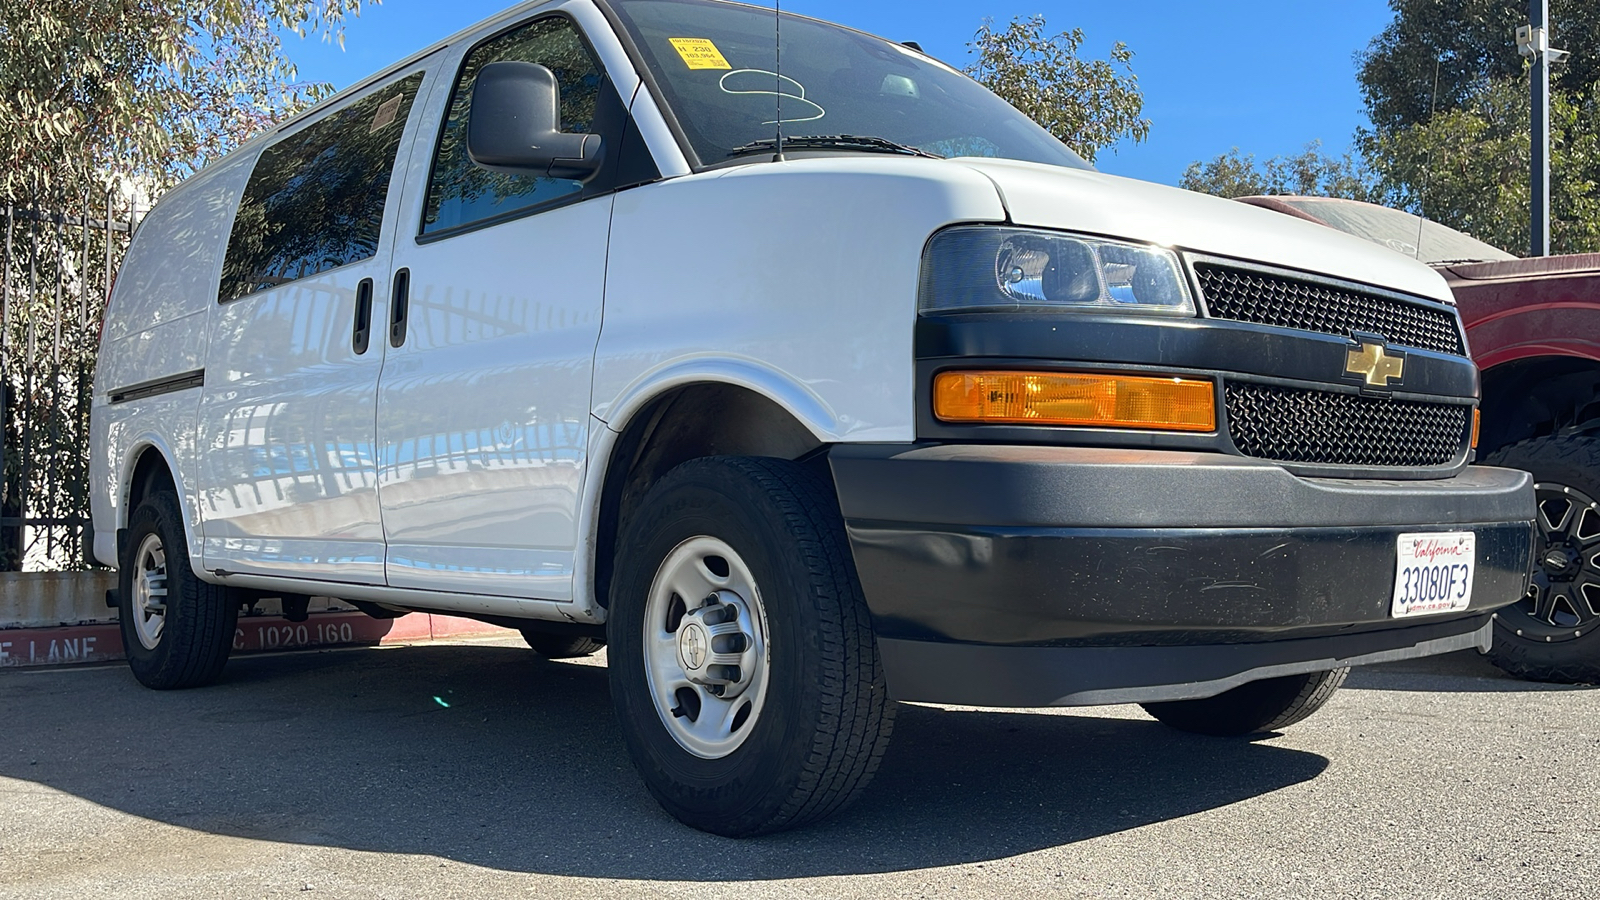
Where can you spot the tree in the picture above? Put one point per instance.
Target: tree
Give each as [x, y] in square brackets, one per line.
[1087, 104]
[1311, 172]
[148, 90]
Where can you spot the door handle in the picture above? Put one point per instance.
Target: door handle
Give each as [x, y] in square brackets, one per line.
[397, 307]
[361, 335]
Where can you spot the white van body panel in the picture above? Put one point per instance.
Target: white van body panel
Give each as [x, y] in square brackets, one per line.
[1108, 205]
[156, 328]
[805, 270]
[483, 412]
[288, 476]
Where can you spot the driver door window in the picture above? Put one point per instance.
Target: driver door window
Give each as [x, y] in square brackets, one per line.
[461, 193]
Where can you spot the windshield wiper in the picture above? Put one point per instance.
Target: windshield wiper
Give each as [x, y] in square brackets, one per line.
[860, 142]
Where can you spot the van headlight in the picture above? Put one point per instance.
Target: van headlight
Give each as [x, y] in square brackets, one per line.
[981, 268]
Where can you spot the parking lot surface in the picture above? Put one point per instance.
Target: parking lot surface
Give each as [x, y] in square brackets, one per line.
[476, 769]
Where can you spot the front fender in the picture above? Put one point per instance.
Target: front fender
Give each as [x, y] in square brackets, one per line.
[799, 400]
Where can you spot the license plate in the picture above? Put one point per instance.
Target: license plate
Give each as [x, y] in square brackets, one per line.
[1433, 572]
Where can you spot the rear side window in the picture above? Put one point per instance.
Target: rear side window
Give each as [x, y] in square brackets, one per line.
[315, 199]
[459, 192]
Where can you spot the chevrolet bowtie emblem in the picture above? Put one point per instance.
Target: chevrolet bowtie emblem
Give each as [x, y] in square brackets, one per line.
[1374, 365]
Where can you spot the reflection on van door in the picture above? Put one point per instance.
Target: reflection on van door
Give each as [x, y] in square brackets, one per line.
[483, 409]
[288, 475]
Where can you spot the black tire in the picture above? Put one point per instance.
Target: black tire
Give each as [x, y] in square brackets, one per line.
[1554, 633]
[197, 623]
[826, 718]
[1267, 705]
[561, 646]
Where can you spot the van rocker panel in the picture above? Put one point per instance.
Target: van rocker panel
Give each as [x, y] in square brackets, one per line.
[1175, 568]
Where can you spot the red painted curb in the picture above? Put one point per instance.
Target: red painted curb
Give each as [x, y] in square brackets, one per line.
[71, 644]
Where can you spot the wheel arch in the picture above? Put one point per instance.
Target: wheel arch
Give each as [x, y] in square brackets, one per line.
[684, 420]
[1538, 395]
[148, 467]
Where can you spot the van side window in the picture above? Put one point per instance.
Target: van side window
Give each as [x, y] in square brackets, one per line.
[459, 192]
[315, 199]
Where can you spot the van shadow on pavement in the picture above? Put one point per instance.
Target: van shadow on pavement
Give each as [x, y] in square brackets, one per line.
[524, 771]
[1465, 671]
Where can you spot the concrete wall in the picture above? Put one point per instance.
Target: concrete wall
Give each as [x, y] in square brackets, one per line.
[47, 599]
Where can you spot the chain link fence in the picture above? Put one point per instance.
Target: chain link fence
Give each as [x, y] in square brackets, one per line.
[58, 259]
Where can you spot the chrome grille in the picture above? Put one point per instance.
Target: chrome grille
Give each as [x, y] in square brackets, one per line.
[1328, 428]
[1245, 295]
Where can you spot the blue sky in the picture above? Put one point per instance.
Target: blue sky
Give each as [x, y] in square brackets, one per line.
[1266, 77]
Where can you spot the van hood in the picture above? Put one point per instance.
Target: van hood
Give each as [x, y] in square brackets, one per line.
[1112, 206]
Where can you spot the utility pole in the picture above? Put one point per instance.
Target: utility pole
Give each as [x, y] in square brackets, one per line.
[1533, 41]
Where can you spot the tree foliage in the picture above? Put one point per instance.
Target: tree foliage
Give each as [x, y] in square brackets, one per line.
[1466, 45]
[1310, 172]
[1467, 168]
[145, 90]
[1087, 104]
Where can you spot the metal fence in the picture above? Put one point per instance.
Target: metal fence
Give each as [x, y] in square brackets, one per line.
[57, 262]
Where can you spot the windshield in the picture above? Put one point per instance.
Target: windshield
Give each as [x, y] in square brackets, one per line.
[715, 63]
[1397, 230]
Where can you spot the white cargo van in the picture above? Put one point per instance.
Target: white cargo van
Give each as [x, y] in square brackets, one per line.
[546, 325]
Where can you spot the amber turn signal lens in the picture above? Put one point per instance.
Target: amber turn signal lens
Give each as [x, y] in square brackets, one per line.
[1061, 398]
[1477, 425]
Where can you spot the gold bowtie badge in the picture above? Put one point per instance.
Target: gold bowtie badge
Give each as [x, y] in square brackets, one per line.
[1374, 365]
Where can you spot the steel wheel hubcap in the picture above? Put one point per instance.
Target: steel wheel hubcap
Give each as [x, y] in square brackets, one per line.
[149, 607]
[1563, 599]
[705, 647]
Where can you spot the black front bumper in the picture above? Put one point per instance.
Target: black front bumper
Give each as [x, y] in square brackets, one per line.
[1022, 576]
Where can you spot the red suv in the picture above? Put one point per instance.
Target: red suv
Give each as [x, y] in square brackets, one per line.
[1534, 329]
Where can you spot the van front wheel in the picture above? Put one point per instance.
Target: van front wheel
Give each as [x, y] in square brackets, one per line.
[176, 629]
[743, 666]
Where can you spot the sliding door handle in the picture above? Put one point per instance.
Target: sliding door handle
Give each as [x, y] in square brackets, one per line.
[397, 307]
[361, 335]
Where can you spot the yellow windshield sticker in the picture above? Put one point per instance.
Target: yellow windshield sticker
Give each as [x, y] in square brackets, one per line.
[699, 53]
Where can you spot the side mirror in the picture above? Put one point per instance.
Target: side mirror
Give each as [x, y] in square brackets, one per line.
[514, 125]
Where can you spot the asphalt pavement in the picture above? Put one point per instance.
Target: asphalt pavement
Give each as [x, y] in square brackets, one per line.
[476, 769]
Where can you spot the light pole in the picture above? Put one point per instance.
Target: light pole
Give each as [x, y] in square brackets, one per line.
[1533, 41]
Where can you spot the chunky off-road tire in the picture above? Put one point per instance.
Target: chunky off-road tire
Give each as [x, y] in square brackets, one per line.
[1554, 633]
[561, 646]
[176, 629]
[1267, 705]
[810, 716]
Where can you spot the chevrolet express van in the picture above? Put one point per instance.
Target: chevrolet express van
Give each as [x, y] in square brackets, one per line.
[548, 325]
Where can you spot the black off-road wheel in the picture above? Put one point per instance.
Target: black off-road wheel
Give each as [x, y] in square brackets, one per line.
[177, 630]
[561, 646]
[743, 667]
[1270, 704]
[1553, 634]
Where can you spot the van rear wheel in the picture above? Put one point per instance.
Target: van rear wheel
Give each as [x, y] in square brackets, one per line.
[743, 666]
[1265, 705]
[177, 630]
